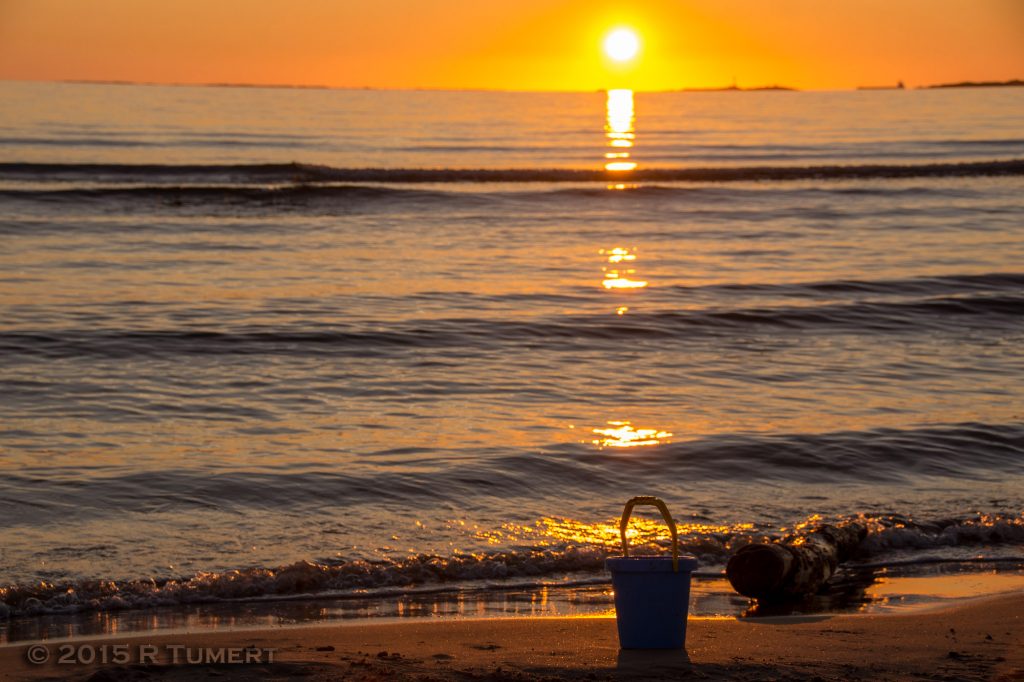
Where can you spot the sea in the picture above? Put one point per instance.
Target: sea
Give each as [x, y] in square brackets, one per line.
[283, 355]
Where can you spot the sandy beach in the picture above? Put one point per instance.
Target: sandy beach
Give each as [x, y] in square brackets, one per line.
[972, 640]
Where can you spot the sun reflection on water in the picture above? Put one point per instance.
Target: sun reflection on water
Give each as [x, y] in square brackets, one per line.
[616, 278]
[619, 131]
[622, 434]
[642, 532]
[619, 254]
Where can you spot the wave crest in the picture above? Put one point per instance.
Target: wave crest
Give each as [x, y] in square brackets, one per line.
[360, 578]
[309, 173]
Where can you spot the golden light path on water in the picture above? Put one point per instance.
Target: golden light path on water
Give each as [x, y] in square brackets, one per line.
[620, 116]
[622, 434]
[620, 278]
[619, 131]
[619, 254]
[615, 281]
[642, 532]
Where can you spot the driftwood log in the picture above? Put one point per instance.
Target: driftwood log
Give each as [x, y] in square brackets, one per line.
[793, 568]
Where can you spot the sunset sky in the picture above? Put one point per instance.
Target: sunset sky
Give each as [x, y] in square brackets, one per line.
[525, 45]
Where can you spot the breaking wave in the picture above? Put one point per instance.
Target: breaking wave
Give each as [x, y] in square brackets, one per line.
[308, 173]
[530, 566]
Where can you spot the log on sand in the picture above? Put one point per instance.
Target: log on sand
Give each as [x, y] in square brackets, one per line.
[793, 568]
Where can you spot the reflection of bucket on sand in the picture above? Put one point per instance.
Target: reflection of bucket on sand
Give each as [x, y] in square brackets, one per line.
[652, 593]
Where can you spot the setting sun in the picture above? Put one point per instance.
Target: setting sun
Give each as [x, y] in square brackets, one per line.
[621, 44]
[577, 46]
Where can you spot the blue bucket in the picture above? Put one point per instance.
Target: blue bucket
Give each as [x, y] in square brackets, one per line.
[652, 593]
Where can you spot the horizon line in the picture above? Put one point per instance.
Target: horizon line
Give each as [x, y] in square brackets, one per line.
[775, 87]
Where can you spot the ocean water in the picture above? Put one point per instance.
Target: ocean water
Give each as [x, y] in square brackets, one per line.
[261, 344]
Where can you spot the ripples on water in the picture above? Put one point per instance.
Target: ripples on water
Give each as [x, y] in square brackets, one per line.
[446, 358]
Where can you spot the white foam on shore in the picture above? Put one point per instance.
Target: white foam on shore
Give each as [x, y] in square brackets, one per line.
[903, 541]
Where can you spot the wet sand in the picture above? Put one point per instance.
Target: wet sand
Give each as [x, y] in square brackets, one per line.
[981, 639]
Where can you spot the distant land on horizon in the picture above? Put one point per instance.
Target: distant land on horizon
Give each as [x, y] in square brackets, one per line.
[1015, 83]
[286, 86]
[729, 88]
[736, 88]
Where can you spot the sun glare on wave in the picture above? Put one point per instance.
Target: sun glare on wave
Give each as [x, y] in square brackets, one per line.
[622, 434]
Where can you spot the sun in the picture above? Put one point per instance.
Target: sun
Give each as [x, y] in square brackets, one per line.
[621, 45]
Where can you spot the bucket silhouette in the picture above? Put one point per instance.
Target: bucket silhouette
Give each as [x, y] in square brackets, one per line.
[652, 593]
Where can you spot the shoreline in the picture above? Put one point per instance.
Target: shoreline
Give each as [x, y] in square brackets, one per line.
[981, 638]
[889, 591]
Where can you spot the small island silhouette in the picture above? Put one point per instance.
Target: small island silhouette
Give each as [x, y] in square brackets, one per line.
[736, 88]
[1015, 83]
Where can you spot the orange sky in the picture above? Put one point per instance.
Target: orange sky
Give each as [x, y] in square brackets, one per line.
[529, 44]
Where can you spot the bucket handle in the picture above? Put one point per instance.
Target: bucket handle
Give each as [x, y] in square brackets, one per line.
[652, 501]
